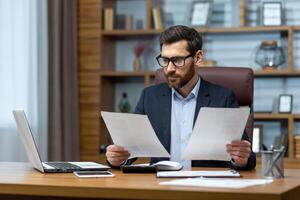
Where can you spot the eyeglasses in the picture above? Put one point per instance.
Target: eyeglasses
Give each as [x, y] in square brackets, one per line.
[178, 61]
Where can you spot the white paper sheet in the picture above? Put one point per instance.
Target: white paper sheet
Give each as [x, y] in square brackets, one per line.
[135, 133]
[234, 183]
[214, 128]
[186, 174]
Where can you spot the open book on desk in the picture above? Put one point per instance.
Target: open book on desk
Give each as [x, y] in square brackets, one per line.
[147, 168]
[189, 174]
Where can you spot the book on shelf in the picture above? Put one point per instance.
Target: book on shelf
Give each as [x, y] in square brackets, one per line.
[297, 137]
[123, 21]
[297, 146]
[120, 20]
[108, 19]
[157, 19]
[129, 22]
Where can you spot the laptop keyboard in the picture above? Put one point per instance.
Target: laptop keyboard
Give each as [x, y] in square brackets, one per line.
[63, 165]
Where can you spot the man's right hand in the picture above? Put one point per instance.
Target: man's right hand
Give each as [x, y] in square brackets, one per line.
[116, 155]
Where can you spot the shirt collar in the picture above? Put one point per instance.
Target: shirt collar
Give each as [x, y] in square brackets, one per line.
[193, 93]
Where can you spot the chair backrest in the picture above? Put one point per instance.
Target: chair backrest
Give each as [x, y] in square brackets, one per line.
[237, 79]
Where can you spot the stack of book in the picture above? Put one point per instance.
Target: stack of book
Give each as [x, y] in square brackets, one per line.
[108, 19]
[123, 21]
[297, 146]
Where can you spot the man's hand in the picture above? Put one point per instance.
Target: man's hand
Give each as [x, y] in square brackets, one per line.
[116, 155]
[239, 151]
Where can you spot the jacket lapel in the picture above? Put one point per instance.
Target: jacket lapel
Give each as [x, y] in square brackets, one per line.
[203, 97]
[165, 108]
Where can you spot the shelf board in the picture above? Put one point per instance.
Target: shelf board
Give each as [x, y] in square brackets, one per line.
[296, 28]
[275, 116]
[274, 73]
[271, 116]
[142, 32]
[126, 73]
[257, 73]
[297, 116]
[244, 29]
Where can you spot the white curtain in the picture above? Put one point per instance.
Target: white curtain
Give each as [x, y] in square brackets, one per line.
[23, 74]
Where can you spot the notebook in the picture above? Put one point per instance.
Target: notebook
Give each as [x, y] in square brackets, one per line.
[34, 157]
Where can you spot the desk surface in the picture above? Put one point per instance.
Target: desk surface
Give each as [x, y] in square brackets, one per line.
[20, 181]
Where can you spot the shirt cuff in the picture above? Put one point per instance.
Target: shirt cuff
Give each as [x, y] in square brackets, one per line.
[115, 167]
[235, 165]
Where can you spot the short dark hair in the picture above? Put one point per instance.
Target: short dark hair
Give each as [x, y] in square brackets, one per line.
[180, 32]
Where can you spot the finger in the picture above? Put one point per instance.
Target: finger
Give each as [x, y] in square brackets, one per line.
[117, 161]
[236, 148]
[239, 161]
[115, 148]
[117, 158]
[239, 154]
[238, 158]
[117, 152]
[240, 143]
[242, 149]
[115, 155]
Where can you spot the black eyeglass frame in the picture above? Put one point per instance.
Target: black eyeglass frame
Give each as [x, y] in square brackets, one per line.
[172, 60]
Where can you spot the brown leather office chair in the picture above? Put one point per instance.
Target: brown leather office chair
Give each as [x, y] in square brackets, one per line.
[237, 79]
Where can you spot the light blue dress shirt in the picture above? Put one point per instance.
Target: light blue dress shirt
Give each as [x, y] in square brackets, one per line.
[182, 119]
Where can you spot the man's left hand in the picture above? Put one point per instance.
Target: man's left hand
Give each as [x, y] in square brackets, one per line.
[239, 151]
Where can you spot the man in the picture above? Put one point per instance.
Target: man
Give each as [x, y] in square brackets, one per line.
[172, 107]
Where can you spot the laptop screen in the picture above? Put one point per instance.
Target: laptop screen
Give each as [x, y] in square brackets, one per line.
[28, 140]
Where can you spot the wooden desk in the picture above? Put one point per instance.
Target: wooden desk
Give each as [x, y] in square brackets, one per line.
[19, 181]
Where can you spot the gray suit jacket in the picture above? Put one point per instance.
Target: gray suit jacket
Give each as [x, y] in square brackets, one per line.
[155, 102]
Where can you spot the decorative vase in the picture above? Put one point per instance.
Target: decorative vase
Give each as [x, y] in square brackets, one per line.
[124, 105]
[137, 63]
[269, 55]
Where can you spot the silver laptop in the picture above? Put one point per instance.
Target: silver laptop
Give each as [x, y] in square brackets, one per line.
[34, 157]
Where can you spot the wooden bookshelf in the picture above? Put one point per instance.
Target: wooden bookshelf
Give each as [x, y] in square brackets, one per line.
[98, 75]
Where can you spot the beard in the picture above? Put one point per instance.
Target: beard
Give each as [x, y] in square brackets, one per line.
[176, 80]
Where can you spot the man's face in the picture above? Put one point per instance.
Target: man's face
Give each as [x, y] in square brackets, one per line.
[177, 77]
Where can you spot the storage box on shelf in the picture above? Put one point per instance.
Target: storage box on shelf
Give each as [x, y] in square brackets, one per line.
[100, 75]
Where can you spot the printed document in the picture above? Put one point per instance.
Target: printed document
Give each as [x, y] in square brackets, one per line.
[135, 133]
[190, 174]
[214, 128]
[234, 183]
